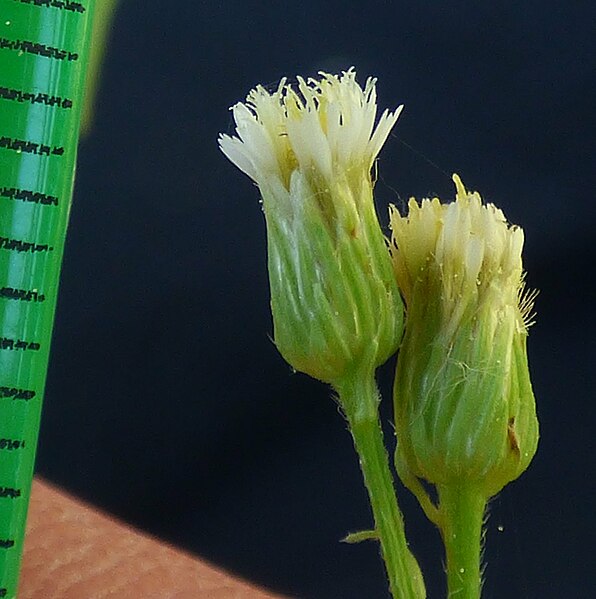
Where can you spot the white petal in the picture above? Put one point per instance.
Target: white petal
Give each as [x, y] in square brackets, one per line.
[474, 257]
[386, 123]
[309, 142]
[236, 152]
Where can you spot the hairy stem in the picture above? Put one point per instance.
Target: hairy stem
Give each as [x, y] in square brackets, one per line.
[462, 514]
[359, 398]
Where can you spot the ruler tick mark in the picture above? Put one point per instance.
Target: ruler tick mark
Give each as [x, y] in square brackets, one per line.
[22, 46]
[9, 492]
[26, 195]
[68, 5]
[18, 344]
[22, 295]
[10, 444]
[19, 95]
[18, 245]
[16, 394]
[30, 147]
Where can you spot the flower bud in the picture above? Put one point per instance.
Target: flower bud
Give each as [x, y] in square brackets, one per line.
[464, 407]
[334, 298]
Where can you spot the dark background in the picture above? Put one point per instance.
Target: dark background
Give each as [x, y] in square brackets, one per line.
[167, 403]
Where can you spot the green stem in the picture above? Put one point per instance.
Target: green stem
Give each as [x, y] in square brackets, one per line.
[359, 398]
[462, 514]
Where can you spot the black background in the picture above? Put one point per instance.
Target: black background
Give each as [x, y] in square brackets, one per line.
[166, 401]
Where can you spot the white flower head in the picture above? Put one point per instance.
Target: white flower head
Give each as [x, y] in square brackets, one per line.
[323, 128]
[465, 410]
[310, 149]
[474, 253]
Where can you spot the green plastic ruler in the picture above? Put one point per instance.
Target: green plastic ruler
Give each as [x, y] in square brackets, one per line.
[44, 47]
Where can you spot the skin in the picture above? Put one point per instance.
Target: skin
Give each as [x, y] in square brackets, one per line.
[73, 551]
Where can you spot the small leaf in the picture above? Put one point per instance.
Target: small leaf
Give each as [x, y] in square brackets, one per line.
[358, 537]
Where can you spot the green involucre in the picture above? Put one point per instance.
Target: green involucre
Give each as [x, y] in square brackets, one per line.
[464, 407]
[334, 297]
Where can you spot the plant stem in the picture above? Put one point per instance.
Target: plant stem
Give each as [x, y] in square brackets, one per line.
[359, 398]
[462, 509]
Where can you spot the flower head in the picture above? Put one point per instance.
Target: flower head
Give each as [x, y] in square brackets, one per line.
[310, 149]
[325, 127]
[464, 402]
